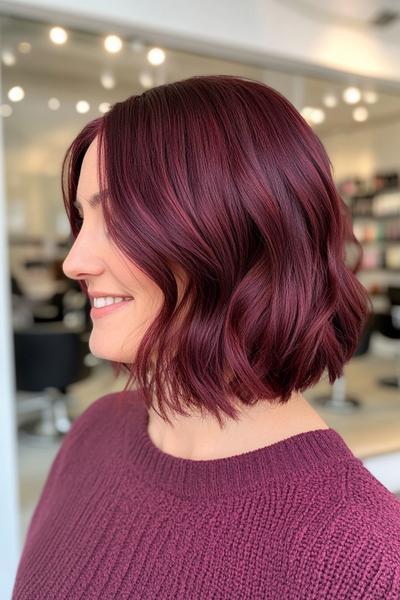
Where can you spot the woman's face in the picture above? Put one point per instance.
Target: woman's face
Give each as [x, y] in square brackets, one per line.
[96, 260]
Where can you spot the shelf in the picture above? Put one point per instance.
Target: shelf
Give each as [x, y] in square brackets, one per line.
[378, 269]
[380, 242]
[370, 217]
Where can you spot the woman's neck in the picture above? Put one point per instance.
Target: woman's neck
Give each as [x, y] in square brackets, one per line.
[201, 438]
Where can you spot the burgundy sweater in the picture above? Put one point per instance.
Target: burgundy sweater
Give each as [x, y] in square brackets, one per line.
[119, 518]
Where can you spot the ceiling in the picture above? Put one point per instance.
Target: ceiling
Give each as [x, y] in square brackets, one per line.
[37, 136]
[380, 17]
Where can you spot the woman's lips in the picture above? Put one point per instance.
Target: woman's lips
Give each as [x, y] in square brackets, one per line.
[97, 313]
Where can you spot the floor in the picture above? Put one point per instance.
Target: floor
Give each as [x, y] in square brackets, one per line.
[372, 430]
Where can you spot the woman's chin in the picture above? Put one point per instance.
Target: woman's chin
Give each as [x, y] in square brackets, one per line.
[102, 348]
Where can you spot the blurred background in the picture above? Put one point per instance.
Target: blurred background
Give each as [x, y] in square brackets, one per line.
[63, 64]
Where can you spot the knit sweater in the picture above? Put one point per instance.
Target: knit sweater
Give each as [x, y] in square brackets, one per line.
[119, 518]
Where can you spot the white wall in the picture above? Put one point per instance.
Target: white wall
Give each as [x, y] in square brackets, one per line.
[363, 152]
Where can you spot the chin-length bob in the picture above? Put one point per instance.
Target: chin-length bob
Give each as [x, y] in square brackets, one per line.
[222, 178]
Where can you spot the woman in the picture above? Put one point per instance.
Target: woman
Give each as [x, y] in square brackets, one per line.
[206, 213]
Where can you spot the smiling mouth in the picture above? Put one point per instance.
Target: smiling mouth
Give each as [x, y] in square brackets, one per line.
[124, 299]
[108, 309]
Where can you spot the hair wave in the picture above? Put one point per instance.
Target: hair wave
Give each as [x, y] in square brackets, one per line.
[222, 177]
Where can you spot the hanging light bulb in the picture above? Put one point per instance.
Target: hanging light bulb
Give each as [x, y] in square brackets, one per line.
[5, 110]
[8, 58]
[370, 97]
[113, 43]
[156, 56]
[24, 47]
[16, 93]
[58, 35]
[318, 116]
[313, 115]
[82, 106]
[146, 80]
[54, 103]
[104, 107]
[107, 80]
[351, 95]
[360, 113]
[330, 100]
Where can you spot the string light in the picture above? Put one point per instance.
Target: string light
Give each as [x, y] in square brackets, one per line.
[113, 43]
[351, 95]
[146, 80]
[370, 97]
[5, 110]
[58, 35]
[82, 106]
[360, 113]
[330, 100]
[16, 93]
[54, 103]
[107, 81]
[104, 107]
[8, 58]
[24, 47]
[156, 56]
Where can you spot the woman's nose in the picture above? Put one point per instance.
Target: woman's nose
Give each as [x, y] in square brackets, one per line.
[81, 262]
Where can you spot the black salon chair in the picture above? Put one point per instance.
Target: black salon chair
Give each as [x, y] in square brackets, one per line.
[388, 325]
[49, 357]
[41, 311]
[50, 310]
[16, 289]
[338, 400]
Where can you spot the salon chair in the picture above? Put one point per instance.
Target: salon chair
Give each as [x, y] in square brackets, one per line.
[338, 400]
[40, 311]
[388, 325]
[49, 357]
[16, 289]
[51, 310]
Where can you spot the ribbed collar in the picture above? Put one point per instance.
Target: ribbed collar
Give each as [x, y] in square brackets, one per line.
[293, 457]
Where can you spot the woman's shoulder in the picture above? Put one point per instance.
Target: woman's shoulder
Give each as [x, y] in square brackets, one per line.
[371, 499]
[351, 539]
[95, 410]
[359, 505]
[104, 412]
[94, 436]
[363, 542]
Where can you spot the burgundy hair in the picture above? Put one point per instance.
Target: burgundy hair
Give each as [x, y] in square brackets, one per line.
[222, 177]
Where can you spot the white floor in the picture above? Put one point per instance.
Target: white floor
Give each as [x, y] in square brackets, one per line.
[371, 431]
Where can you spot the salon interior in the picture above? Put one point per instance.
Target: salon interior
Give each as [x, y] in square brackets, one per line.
[58, 71]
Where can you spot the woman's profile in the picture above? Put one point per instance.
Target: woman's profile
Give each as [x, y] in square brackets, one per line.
[211, 240]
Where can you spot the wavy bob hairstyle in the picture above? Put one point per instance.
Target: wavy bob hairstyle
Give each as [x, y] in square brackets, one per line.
[222, 177]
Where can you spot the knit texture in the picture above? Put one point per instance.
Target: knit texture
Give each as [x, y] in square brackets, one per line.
[119, 518]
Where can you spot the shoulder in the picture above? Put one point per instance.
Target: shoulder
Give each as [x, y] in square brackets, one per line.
[106, 412]
[363, 550]
[371, 503]
[357, 549]
[96, 410]
[95, 435]
[88, 449]
[94, 442]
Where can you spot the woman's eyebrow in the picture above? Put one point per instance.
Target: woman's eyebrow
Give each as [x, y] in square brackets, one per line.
[94, 200]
